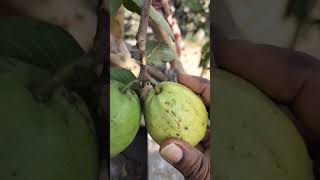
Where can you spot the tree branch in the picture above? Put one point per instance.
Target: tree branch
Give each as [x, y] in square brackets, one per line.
[142, 40]
[143, 27]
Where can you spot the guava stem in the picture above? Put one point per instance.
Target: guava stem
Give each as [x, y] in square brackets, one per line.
[44, 91]
[157, 89]
[142, 41]
[128, 86]
[142, 30]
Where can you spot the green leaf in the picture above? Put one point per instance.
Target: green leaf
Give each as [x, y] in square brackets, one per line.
[158, 18]
[136, 5]
[114, 6]
[193, 5]
[131, 6]
[205, 55]
[158, 53]
[35, 42]
[122, 75]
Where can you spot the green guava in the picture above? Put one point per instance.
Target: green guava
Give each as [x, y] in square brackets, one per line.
[44, 140]
[253, 139]
[125, 117]
[173, 110]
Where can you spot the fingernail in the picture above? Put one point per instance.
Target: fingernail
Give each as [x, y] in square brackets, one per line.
[172, 153]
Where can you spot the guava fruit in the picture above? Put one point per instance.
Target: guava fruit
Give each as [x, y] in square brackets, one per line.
[173, 110]
[44, 140]
[125, 117]
[253, 139]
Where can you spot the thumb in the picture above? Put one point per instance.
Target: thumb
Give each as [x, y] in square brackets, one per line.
[191, 163]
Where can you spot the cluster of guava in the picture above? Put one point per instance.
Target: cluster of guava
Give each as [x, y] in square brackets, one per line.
[252, 137]
[171, 110]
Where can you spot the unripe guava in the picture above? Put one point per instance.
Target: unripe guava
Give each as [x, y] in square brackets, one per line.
[173, 110]
[44, 140]
[124, 117]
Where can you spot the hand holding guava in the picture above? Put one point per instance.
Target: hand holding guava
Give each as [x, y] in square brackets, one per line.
[192, 162]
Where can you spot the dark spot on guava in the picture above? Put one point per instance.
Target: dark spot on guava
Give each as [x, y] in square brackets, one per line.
[178, 135]
[186, 128]
[167, 110]
[115, 116]
[167, 103]
[173, 113]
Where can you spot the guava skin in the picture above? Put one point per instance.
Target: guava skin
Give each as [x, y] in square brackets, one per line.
[253, 138]
[125, 114]
[51, 140]
[173, 110]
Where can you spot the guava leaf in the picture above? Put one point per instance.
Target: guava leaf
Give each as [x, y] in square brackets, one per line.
[205, 56]
[136, 5]
[132, 6]
[114, 6]
[122, 75]
[38, 43]
[158, 53]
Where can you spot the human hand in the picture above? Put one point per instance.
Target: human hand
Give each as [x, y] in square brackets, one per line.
[288, 77]
[192, 162]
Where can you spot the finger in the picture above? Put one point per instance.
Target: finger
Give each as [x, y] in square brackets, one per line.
[200, 86]
[206, 140]
[204, 144]
[200, 147]
[188, 160]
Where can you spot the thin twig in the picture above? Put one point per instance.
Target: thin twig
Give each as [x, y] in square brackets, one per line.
[143, 27]
[142, 39]
[157, 74]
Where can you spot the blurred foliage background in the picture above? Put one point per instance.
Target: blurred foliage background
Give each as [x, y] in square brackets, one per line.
[192, 17]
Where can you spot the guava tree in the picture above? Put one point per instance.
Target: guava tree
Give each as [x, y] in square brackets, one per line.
[139, 65]
[155, 52]
[148, 55]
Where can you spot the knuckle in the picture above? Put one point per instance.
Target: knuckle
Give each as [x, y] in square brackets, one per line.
[199, 169]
